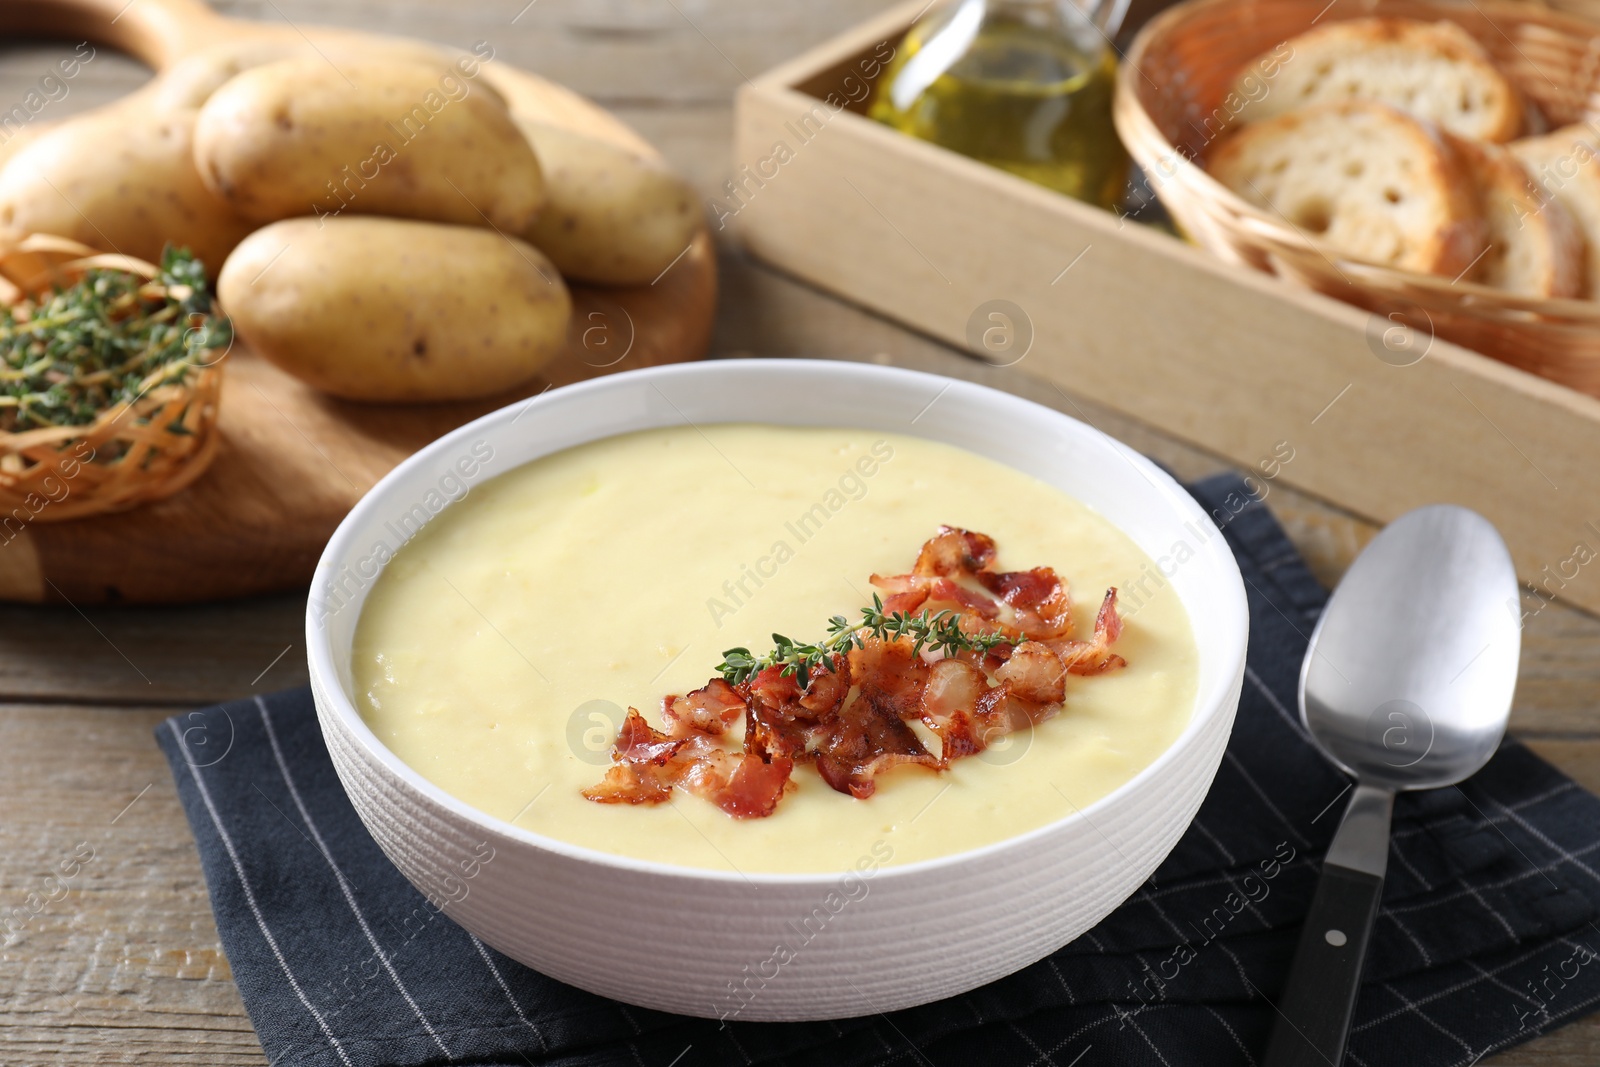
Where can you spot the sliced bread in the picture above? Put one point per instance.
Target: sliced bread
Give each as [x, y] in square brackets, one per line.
[1566, 164]
[1373, 183]
[1533, 246]
[1431, 70]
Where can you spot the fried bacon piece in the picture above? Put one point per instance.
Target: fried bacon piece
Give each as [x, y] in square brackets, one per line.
[956, 560]
[890, 675]
[910, 592]
[1095, 657]
[743, 785]
[852, 717]
[865, 739]
[954, 551]
[709, 710]
[869, 735]
[639, 773]
[783, 721]
[639, 742]
[1037, 598]
[631, 783]
[647, 763]
[949, 701]
[1029, 688]
[905, 596]
[1034, 673]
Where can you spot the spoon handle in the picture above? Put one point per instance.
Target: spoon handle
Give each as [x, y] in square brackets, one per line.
[1319, 1000]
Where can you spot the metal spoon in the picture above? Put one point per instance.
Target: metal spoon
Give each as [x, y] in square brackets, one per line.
[1407, 685]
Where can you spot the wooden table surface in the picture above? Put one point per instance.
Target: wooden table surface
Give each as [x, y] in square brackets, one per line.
[127, 967]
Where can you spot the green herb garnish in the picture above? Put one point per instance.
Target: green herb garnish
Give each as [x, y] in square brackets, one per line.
[104, 341]
[940, 631]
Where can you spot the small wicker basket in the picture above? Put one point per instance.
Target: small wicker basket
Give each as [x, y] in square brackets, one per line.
[136, 452]
[1171, 105]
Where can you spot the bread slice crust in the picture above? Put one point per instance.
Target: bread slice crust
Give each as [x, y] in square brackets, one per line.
[1431, 70]
[1533, 247]
[1369, 181]
[1565, 163]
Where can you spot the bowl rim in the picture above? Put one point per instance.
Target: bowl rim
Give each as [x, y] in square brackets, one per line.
[331, 697]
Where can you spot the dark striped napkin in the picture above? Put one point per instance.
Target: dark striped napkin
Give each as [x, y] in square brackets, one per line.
[1487, 935]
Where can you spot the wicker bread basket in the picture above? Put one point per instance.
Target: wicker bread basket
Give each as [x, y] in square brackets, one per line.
[1171, 104]
[130, 454]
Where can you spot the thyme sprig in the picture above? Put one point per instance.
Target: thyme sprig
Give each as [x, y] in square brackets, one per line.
[69, 355]
[937, 630]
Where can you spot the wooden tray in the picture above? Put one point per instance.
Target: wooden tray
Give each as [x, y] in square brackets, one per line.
[292, 461]
[1241, 364]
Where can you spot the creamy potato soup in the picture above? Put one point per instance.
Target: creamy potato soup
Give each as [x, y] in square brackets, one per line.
[498, 650]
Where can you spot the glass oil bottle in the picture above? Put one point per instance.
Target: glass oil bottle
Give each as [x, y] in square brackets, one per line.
[1023, 85]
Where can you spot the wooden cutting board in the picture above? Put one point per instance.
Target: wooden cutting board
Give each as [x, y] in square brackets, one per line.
[292, 461]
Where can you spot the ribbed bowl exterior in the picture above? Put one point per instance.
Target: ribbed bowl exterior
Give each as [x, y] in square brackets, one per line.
[780, 947]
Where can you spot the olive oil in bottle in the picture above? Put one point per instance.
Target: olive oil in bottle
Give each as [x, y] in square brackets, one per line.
[1023, 85]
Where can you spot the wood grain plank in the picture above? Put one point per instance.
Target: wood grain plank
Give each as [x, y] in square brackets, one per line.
[1577, 1045]
[683, 51]
[696, 141]
[24, 64]
[190, 656]
[1579, 757]
[123, 966]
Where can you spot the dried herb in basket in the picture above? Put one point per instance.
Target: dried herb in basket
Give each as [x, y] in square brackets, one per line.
[107, 339]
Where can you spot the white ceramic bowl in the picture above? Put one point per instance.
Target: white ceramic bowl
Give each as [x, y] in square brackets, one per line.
[702, 942]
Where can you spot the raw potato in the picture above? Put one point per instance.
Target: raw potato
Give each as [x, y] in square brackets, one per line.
[609, 216]
[121, 179]
[396, 310]
[372, 137]
[21, 138]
